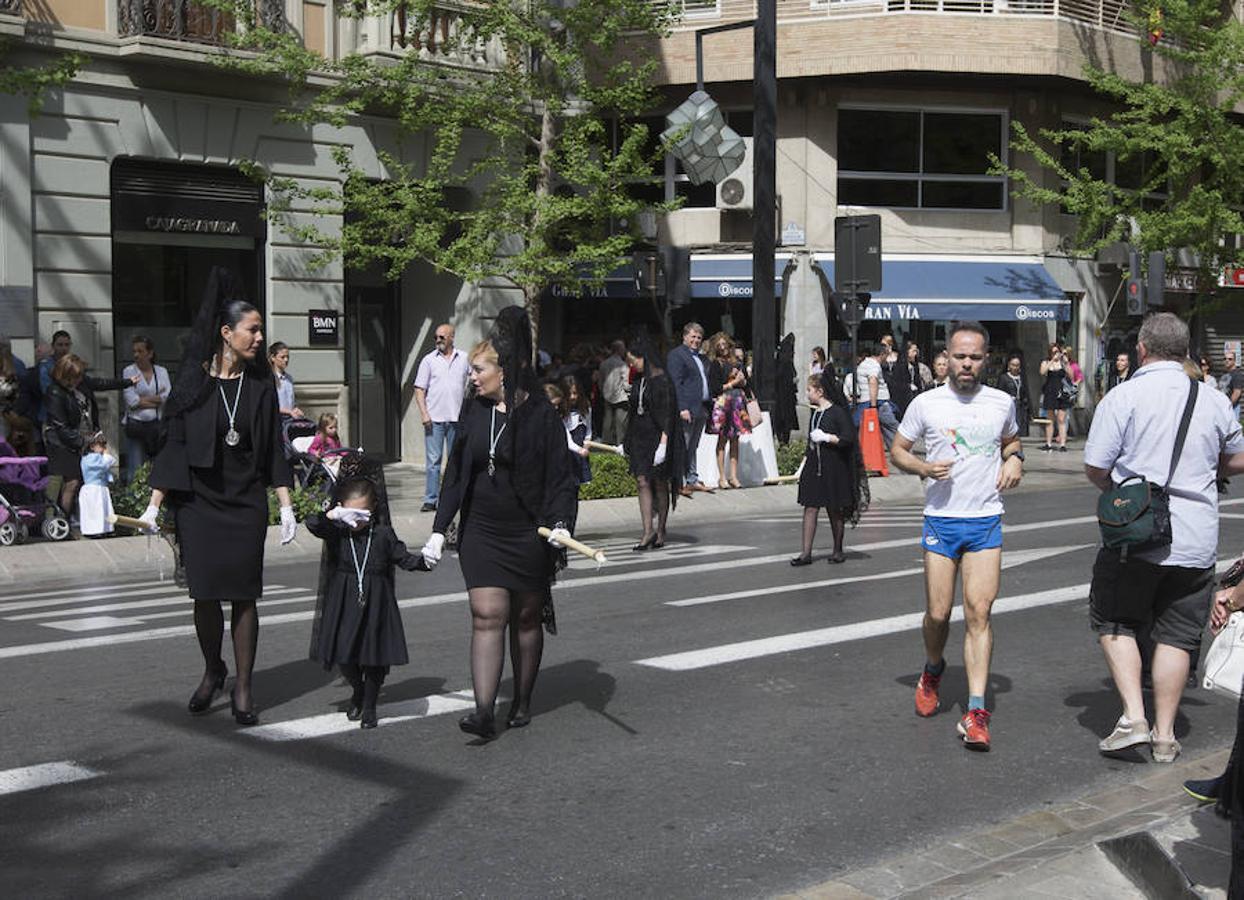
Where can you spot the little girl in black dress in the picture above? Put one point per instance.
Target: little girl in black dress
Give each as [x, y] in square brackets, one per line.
[831, 476]
[358, 626]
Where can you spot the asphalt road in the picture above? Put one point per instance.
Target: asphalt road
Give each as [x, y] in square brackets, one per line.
[755, 740]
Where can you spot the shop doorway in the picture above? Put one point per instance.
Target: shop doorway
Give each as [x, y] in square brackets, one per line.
[372, 332]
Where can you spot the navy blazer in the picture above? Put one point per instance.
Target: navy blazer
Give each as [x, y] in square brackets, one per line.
[685, 376]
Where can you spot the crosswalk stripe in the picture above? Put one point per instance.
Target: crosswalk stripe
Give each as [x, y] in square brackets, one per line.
[30, 595]
[31, 778]
[1010, 559]
[107, 592]
[841, 634]
[390, 714]
[97, 623]
[170, 600]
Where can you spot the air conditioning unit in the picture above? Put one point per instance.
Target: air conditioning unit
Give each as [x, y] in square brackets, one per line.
[736, 191]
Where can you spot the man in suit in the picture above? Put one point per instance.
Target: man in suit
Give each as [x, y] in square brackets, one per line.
[689, 373]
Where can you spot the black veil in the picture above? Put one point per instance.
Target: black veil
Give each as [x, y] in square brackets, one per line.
[222, 291]
[355, 466]
[860, 492]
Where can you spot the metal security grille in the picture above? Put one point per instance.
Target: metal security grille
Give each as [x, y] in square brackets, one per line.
[177, 180]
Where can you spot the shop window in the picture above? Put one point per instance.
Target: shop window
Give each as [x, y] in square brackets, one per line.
[920, 159]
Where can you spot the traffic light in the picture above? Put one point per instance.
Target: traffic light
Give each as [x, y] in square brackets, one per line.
[1135, 285]
[1155, 280]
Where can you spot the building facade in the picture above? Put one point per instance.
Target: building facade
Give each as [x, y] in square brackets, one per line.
[896, 108]
[135, 179]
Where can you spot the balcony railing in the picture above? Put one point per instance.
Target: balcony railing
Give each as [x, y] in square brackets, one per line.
[1105, 14]
[445, 38]
[187, 20]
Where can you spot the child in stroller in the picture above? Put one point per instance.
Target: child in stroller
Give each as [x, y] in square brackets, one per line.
[310, 468]
[23, 503]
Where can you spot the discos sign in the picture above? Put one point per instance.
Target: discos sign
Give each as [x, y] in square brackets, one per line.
[1024, 313]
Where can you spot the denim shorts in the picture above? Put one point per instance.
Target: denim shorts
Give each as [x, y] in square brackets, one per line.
[953, 537]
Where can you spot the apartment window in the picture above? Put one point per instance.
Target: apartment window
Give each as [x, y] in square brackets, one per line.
[920, 159]
[701, 9]
[1128, 172]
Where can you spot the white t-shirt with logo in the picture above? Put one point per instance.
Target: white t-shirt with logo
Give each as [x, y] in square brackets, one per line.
[968, 429]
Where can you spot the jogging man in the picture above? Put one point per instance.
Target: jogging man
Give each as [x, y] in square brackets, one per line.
[973, 453]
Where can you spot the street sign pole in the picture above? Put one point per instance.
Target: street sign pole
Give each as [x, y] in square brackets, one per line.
[764, 180]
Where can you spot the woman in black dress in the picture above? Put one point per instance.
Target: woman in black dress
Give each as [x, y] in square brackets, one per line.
[221, 455]
[832, 471]
[653, 443]
[508, 474]
[1054, 368]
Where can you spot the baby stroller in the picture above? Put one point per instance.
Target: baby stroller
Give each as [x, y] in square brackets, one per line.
[23, 505]
[309, 470]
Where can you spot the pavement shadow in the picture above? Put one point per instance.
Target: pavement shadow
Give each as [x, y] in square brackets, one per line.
[416, 797]
[289, 681]
[579, 681]
[410, 689]
[52, 844]
[954, 688]
[1100, 709]
[1205, 855]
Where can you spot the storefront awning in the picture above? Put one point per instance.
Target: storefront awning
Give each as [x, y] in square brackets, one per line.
[986, 288]
[729, 275]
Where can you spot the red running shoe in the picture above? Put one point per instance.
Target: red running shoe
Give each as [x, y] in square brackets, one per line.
[926, 694]
[974, 728]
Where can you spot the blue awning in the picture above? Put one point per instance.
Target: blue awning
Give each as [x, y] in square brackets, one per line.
[729, 275]
[989, 289]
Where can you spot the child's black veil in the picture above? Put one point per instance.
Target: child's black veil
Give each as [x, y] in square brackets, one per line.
[355, 465]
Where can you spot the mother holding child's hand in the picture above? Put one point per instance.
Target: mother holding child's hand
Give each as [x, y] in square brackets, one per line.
[221, 455]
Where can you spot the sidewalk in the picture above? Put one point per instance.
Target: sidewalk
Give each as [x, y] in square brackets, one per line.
[132, 554]
[1145, 838]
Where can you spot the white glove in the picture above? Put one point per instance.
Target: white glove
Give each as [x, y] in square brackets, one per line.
[432, 550]
[557, 535]
[659, 456]
[349, 516]
[817, 436]
[289, 524]
[149, 516]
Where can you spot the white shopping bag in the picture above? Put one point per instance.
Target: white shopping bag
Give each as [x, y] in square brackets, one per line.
[1224, 663]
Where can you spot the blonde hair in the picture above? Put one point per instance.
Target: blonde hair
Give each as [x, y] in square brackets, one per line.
[557, 398]
[486, 351]
[717, 340]
[326, 419]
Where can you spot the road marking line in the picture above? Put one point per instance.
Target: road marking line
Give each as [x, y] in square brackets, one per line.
[1010, 559]
[841, 634]
[108, 593]
[636, 559]
[31, 778]
[390, 714]
[28, 595]
[171, 600]
[101, 622]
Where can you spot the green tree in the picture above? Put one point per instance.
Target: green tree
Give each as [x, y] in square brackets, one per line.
[1177, 139]
[32, 81]
[515, 101]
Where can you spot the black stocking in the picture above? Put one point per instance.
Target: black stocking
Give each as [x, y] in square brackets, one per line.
[526, 647]
[661, 492]
[809, 528]
[646, 504]
[837, 524]
[68, 492]
[209, 625]
[490, 607]
[354, 676]
[244, 623]
[373, 678]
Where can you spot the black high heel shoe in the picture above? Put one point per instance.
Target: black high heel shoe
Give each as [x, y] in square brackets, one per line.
[198, 703]
[244, 717]
[479, 724]
[801, 560]
[517, 718]
[354, 711]
[646, 544]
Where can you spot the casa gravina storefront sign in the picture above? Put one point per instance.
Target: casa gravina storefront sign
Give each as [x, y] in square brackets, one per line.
[186, 225]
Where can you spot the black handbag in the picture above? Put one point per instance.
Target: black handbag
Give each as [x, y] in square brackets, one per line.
[150, 435]
[1136, 514]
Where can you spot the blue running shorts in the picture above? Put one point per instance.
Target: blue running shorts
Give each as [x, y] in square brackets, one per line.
[954, 537]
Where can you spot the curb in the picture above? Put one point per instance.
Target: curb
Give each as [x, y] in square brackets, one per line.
[1012, 857]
